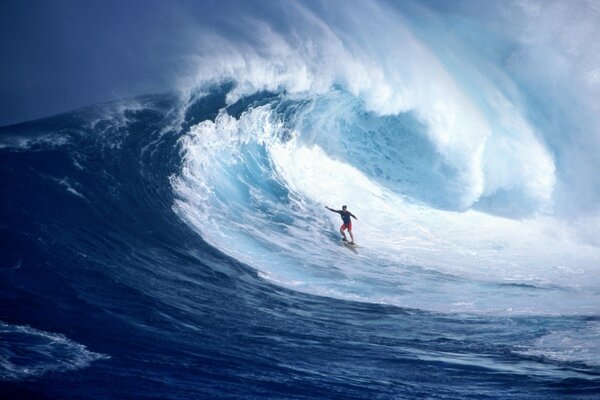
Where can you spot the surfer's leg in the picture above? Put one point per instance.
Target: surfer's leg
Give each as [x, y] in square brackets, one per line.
[342, 232]
[349, 227]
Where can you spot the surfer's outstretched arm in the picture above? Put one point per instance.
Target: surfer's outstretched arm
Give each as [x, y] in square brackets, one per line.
[332, 210]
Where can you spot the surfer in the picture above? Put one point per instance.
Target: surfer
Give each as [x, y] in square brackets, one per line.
[347, 222]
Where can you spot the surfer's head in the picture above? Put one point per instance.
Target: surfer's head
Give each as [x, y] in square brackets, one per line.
[344, 208]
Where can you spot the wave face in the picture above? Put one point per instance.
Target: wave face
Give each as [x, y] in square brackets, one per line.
[181, 248]
[442, 159]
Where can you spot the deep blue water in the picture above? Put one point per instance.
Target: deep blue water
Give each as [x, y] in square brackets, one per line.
[107, 292]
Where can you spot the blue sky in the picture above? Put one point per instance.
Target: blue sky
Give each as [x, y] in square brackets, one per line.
[60, 55]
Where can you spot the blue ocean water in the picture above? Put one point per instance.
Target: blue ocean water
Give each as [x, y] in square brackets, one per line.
[176, 246]
[108, 293]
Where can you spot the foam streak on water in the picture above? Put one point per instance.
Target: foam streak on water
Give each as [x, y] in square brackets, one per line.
[27, 353]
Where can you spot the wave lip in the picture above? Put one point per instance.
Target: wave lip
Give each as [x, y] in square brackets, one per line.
[26, 352]
[481, 134]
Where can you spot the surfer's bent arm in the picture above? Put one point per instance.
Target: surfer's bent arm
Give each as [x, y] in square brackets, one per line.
[353, 216]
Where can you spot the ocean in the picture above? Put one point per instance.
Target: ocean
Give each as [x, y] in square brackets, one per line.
[177, 245]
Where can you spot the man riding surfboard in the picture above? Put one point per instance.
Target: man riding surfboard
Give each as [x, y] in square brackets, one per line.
[347, 222]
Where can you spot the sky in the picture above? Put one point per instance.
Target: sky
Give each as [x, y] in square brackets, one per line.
[57, 55]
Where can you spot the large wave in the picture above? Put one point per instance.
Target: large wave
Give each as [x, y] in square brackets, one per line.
[172, 226]
[444, 162]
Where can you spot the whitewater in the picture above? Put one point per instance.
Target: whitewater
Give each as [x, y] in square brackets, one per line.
[448, 172]
[183, 237]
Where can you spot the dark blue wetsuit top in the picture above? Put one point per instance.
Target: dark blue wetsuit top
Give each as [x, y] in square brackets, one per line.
[345, 216]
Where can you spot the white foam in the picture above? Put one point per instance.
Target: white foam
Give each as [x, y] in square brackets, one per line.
[580, 345]
[487, 144]
[69, 187]
[492, 264]
[476, 119]
[26, 352]
[23, 143]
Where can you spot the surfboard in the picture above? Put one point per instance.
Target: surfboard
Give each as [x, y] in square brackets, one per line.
[351, 247]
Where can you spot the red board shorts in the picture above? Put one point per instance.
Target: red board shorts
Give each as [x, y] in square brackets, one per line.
[346, 226]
